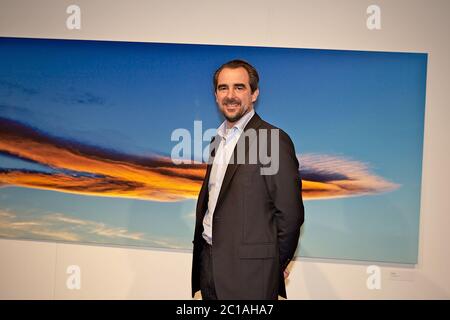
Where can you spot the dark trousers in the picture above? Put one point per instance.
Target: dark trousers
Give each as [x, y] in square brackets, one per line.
[207, 286]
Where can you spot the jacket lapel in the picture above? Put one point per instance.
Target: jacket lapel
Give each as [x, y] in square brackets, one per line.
[254, 123]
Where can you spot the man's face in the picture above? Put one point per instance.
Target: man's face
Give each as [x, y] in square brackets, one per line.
[233, 93]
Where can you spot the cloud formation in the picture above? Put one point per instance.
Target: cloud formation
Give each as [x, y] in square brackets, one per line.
[89, 170]
[326, 176]
[60, 227]
[9, 88]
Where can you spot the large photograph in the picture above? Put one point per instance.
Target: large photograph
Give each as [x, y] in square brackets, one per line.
[88, 134]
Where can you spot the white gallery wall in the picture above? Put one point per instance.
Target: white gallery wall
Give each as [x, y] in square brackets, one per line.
[38, 270]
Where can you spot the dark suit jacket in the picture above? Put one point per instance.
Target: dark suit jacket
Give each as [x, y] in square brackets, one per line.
[256, 223]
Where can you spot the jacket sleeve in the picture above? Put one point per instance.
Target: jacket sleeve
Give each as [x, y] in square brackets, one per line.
[285, 189]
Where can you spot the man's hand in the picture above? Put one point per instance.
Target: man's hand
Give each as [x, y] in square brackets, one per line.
[286, 273]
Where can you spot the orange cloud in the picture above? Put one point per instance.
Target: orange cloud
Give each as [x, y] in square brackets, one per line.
[89, 170]
[326, 176]
[101, 172]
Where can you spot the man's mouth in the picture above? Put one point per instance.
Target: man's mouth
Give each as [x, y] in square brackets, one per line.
[232, 106]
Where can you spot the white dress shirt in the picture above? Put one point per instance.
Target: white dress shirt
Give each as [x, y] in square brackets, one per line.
[229, 139]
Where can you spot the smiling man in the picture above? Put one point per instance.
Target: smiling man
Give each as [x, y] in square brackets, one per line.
[247, 223]
[235, 95]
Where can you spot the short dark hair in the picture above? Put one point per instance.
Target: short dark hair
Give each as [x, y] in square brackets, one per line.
[233, 64]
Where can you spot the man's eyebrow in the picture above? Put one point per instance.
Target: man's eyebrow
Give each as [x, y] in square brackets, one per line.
[223, 85]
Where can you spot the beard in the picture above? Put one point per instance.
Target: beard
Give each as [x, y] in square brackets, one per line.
[241, 110]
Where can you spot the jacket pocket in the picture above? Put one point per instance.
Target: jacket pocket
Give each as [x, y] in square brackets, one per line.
[257, 251]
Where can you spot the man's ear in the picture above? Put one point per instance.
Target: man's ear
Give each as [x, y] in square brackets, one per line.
[255, 95]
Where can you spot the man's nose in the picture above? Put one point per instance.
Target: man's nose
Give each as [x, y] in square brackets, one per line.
[231, 93]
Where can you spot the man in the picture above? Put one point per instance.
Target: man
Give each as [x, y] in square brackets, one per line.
[247, 223]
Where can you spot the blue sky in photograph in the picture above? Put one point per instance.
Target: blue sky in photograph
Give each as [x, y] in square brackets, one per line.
[359, 106]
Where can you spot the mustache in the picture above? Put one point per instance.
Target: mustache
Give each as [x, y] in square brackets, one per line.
[231, 101]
